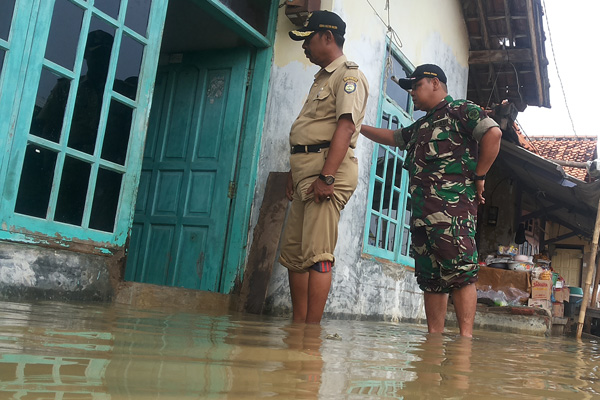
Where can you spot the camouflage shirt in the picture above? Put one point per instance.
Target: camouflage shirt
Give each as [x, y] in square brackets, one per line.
[441, 157]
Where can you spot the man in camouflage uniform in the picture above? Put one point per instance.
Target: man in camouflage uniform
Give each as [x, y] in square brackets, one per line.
[324, 171]
[449, 151]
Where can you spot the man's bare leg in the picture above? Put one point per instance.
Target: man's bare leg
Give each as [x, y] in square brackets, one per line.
[318, 290]
[435, 310]
[299, 293]
[465, 304]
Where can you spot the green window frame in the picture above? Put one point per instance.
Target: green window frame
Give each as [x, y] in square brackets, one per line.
[27, 59]
[387, 230]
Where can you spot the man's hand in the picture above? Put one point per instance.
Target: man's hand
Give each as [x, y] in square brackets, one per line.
[289, 187]
[480, 187]
[321, 190]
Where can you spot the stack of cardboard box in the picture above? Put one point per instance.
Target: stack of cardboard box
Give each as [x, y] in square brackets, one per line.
[544, 295]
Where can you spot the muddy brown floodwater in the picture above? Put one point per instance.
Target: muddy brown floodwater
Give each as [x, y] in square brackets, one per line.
[52, 350]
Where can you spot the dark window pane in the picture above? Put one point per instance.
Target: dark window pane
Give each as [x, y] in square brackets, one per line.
[128, 67]
[50, 103]
[405, 241]
[64, 33]
[72, 191]
[106, 199]
[255, 13]
[408, 212]
[391, 237]
[137, 15]
[36, 181]
[116, 136]
[88, 104]
[373, 230]
[382, 234]
[6, 14]
[376, 196]
[395, 123]
[111, 7]
[395, 92]
[395, 202]
[2, 52]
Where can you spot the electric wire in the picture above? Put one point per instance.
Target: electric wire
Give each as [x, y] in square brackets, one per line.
[556, 67]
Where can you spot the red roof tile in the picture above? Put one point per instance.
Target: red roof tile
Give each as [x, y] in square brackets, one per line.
[567, 148]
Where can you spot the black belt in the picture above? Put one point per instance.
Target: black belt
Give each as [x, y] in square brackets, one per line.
[311, 148]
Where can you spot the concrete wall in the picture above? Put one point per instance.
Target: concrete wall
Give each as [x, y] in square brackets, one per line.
[431, 32]
[31, 272]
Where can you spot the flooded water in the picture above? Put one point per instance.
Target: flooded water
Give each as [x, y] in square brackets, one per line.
[73, 351]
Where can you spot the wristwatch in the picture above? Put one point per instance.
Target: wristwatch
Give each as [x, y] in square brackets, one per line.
[328, 179]
[478, 177]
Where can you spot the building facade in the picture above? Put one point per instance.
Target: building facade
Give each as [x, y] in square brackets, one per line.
[139, 136]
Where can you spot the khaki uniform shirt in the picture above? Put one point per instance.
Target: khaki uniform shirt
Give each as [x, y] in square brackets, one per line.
[340, 88]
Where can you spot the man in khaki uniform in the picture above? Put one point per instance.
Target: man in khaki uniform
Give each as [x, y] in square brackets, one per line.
[324, 171]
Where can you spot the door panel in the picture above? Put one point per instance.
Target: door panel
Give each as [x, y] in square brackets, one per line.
[180, 225]
[567, 262]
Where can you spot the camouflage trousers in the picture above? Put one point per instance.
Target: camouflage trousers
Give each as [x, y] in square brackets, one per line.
[445, 257]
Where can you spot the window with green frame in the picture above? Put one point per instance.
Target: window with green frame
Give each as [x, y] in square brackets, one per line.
[387, 234]
[88, 67]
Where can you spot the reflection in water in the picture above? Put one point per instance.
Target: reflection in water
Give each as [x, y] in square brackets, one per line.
[60, 351]
[47, 122]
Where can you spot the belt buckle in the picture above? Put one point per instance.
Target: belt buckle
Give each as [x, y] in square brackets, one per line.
[305, 148]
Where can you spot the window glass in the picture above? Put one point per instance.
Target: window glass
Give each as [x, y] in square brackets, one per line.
[106, 199]
[72, 191]
[88, 103]
[110, 7]
[116, 137]
[6, 14]
[2, 52]
[406, 229]
[128, 67]
[64, 33]
[50, 103]
[36, 181]
[395, 92]
[138, 12]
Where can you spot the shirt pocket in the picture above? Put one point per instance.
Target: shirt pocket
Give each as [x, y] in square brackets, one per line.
[321, 104]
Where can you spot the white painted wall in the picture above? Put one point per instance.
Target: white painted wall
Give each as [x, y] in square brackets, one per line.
[431, 31]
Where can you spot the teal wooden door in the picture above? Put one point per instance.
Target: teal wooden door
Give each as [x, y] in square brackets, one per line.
[180, 224]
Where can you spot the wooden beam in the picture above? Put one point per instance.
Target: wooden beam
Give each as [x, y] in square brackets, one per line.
[499, 56]
[559, 238]
[590, 273]
[508, 23]
[534, 50]
[263, 252]
[483, 24]
[486, 42]
[540, 213]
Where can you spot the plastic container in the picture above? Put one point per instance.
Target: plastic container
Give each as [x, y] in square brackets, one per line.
[576, 290]
[573, 306]
[520, 266]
